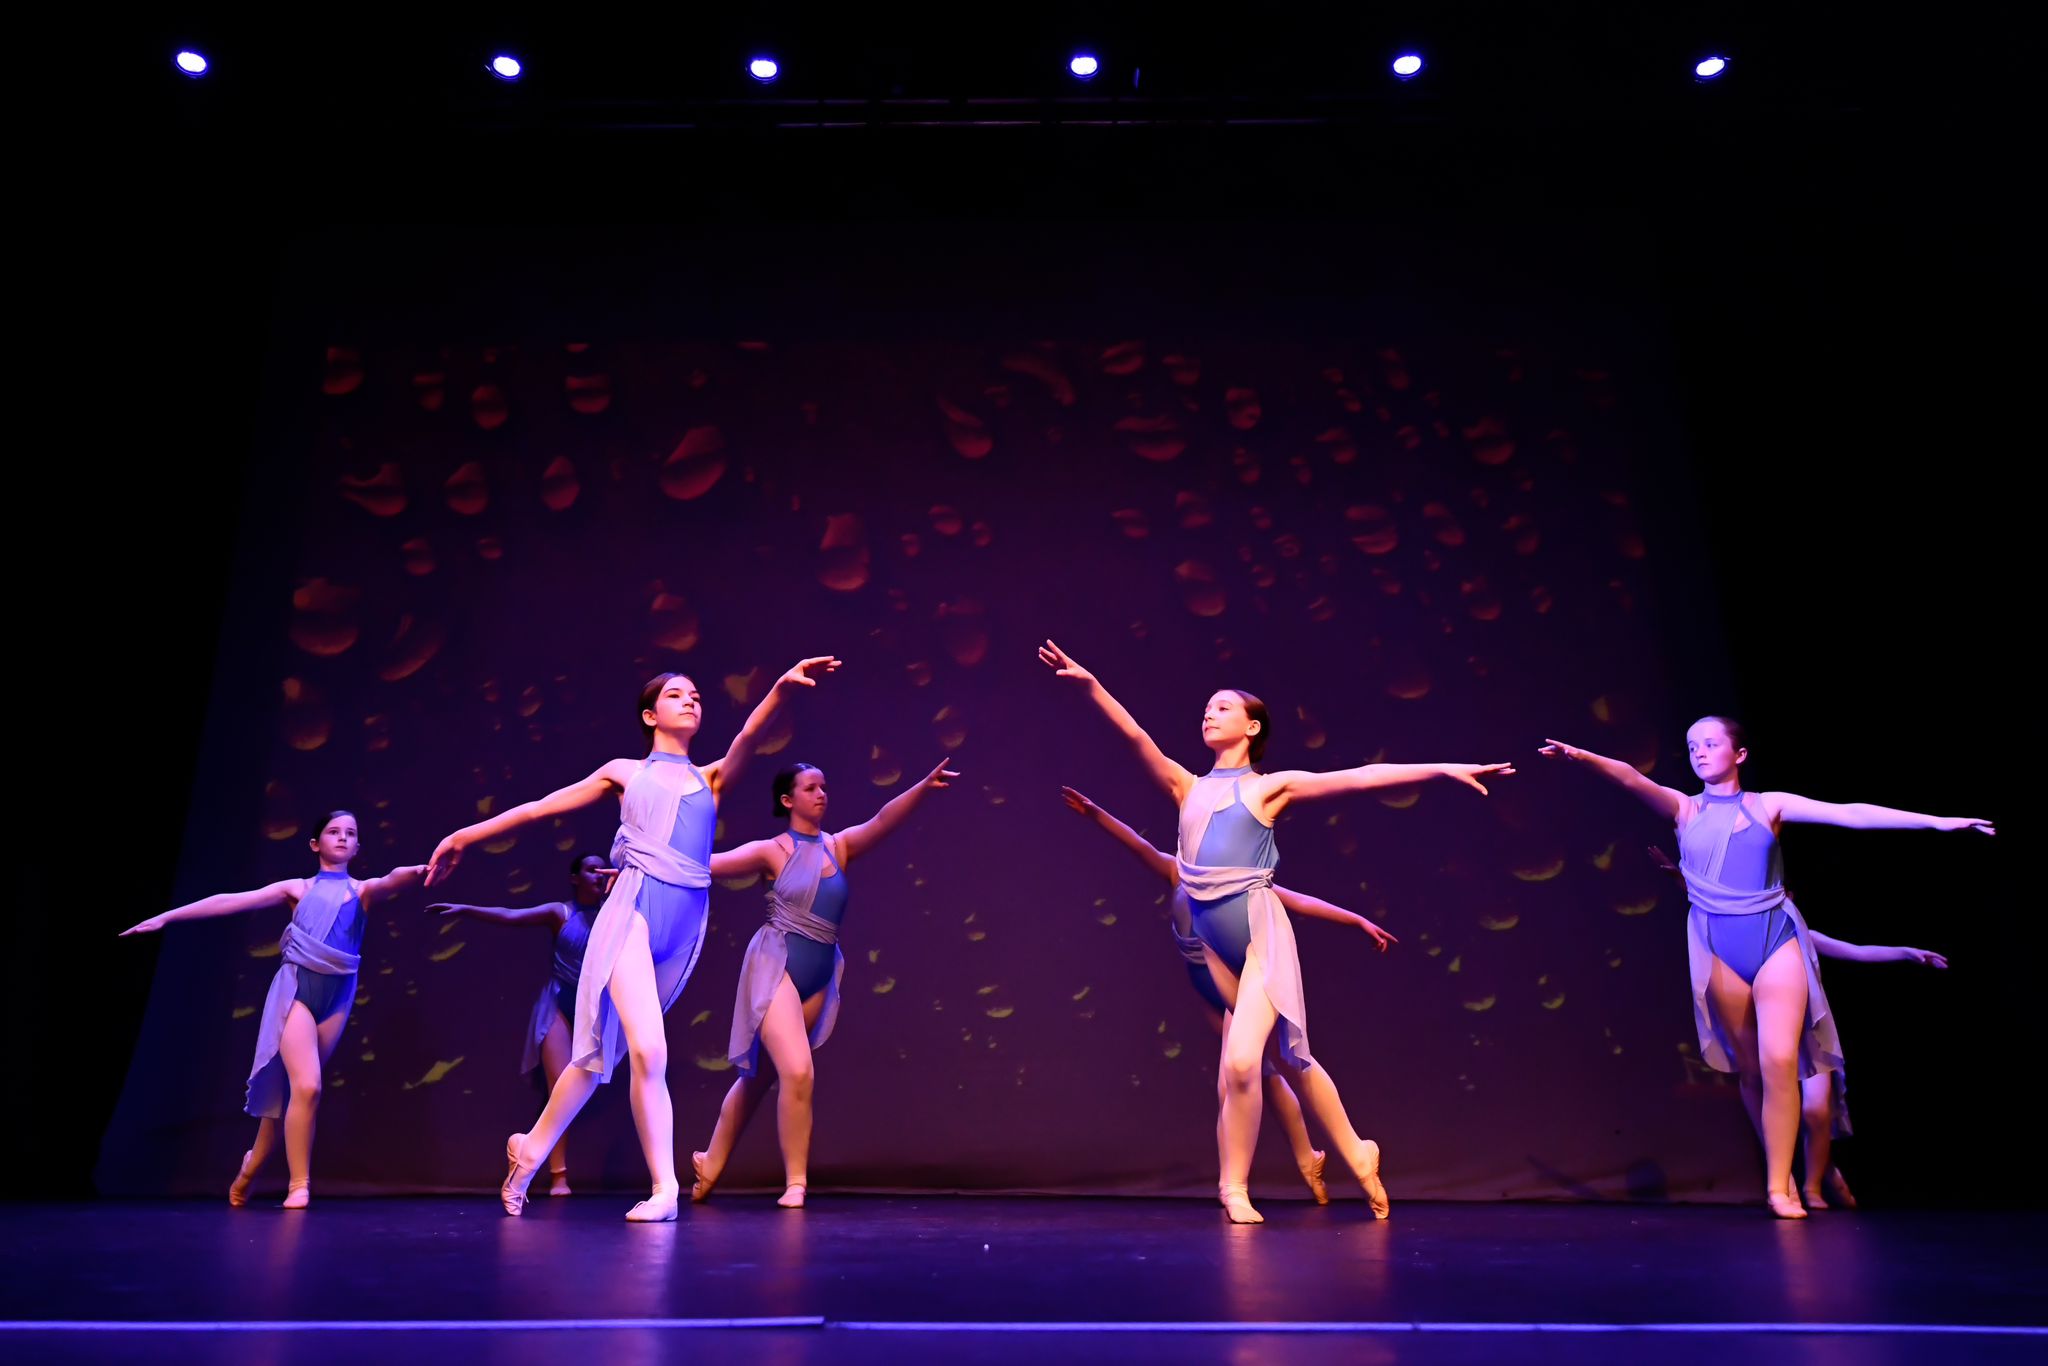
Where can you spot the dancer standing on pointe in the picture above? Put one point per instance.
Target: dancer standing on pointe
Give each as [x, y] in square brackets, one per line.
[1226, 862]
[1278, 1068]
[307, 1007]
[553, 1017]
[1757, 1003]
[789, 981]
[1824, 1097]
[645, 940]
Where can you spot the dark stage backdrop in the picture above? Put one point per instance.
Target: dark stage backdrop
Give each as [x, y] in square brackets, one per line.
[1419, 535]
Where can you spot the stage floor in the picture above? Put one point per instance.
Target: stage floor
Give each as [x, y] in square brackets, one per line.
[872, 1279]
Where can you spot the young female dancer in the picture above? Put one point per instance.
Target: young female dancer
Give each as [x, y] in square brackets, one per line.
[307, 1007]
[1758, 1006]
[1824, 1097]
[1278, 1070]
[647, 935]
[789, 982]
[1227, 857]
[549, 1023]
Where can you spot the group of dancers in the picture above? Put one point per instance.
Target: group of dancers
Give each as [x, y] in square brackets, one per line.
[628, 938]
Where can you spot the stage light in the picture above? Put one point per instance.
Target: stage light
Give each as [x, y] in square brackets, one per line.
[506, 67]
[1709, 68]
[1408, 65]
[192, 63]
[763, 69]
[1084, 65]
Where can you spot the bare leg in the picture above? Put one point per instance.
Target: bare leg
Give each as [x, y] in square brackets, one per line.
[1734, 1003]
[1817, 1119]
[639, 1005]
[554, 1058]
[305, 1048]
[741, 1100]
[1780, 995]
[258, 1154]
[1287, 1109]
[1307, 1157]
[1244, 1047]
[576, 1085]
[786, 1040]
[1362, 1155]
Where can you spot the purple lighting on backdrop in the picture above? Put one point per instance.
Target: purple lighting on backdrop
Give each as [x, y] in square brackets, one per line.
[506, 67]
[192, 63]
[1710, 67]
[1084, 65]
[763, 69]
[1408, 65]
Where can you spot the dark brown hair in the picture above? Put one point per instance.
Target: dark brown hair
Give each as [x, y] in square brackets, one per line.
[650, 693]
[1256, 711]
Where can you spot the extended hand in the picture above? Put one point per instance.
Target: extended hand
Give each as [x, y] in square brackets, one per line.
[1470, 774]
[447, 854]
[1380, 938]
[1077, 801]
[799, 675]
[1062, 664]
[938, 776]
[149, 926]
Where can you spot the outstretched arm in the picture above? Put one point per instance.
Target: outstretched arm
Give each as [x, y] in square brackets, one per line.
[1873, 953]
[751, 857]
[723, 773]
[224, 903]
[1280, 790]
[1666, 801]
[613, 777]
[1788, 806]
[553, 913]
[392, 883]
[1323, 910]
[894, 812]
[1151, 857]
[1168, 774]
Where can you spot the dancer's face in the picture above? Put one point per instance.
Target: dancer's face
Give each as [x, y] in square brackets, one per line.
[678, 710]
[1715, 759]
[1225, 721]
[807, 799]
[588, 880]
[337, 841]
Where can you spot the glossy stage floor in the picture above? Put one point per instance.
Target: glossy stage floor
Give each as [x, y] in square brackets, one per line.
[954, 1278]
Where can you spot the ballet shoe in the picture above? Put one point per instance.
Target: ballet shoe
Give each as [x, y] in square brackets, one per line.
[1313, 1175]
[1785, 1206]
[658, 1208]
[1369, 1178]
[1840, 1198]
[512, 1194]
[1237, 1203]
[297, 1195]
[238, 1189]
[558, 1182]
[793, 1198]
[700, 1189]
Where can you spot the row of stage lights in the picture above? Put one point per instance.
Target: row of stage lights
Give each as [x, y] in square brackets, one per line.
[1083, 66]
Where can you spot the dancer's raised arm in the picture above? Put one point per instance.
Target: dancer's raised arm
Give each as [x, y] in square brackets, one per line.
[1829, 947]
[1168, 774]
[1278, 791]
[857, 840]
[1158, 862]
[610, 780]
[552, 913]
[281, 893]
[722, 773]
[1302, 904]
[1789, 806]
[1668, 802]
[392, 883]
